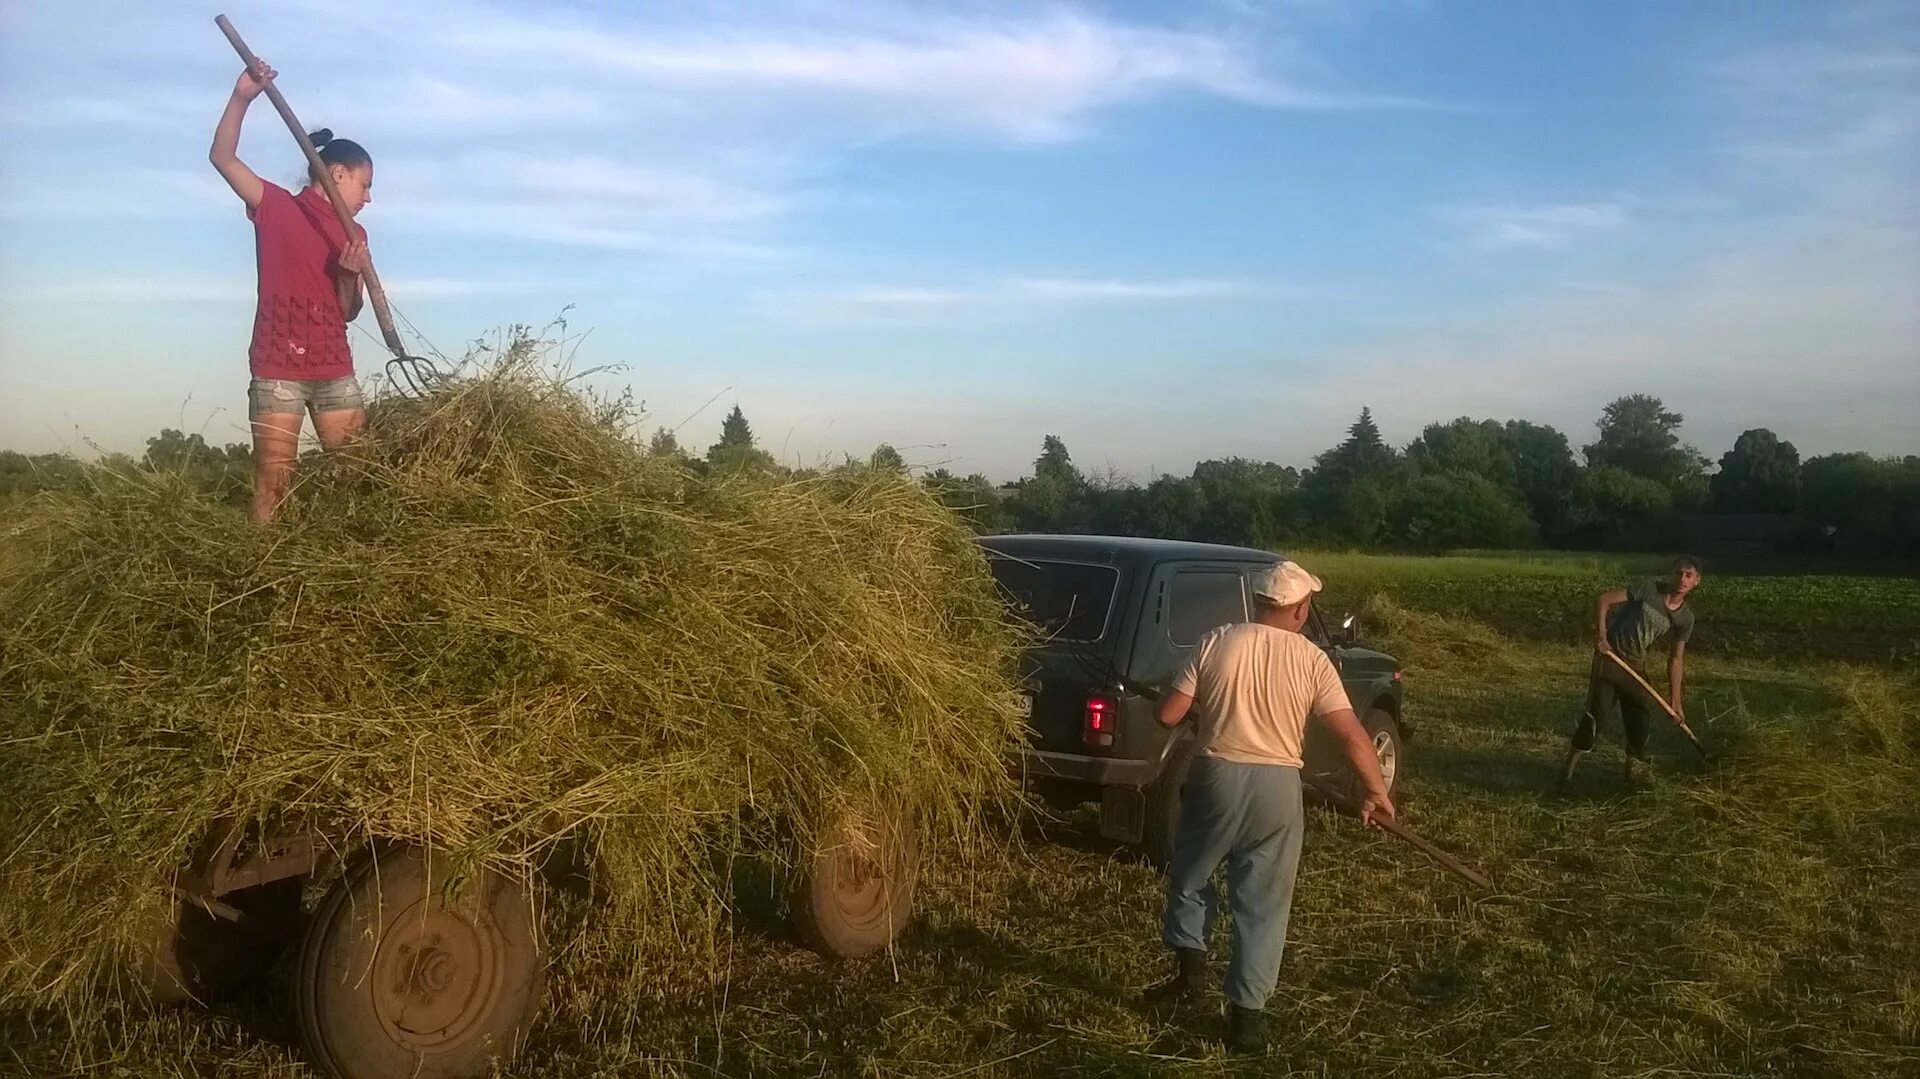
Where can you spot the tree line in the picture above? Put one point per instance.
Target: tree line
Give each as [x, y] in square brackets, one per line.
[1481, 483]
[1466, 483]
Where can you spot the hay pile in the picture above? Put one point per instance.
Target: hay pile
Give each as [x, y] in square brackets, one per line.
[494, 622]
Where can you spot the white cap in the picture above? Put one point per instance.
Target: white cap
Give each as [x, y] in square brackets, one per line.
[1285, 583]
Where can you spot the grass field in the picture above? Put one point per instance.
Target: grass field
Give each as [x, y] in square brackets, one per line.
[1753, 609]
[1750, 916]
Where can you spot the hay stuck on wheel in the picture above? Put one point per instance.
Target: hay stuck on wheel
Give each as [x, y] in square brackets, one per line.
[494, 624]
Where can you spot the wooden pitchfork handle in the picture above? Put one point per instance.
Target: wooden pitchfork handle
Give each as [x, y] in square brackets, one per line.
[378, 295]
[1393, 827]
[1658, 699]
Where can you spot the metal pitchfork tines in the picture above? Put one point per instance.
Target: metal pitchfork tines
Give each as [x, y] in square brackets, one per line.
[413, 376]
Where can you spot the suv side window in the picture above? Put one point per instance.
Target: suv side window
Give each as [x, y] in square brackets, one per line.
[1317, 630]
[1203, 599]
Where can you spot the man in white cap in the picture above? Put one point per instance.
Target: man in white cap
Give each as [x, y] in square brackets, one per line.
[1253, 685]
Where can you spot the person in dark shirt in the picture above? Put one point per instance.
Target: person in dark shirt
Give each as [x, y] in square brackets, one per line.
[1627, 623]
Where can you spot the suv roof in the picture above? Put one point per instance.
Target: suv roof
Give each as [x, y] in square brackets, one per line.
[1120, 548]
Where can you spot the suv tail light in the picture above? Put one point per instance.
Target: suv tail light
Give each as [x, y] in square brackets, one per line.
[1103, 715]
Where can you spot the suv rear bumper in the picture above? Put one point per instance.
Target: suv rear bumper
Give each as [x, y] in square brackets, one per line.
[1082, 768]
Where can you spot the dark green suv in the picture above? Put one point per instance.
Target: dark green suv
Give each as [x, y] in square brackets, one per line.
[1120, 613]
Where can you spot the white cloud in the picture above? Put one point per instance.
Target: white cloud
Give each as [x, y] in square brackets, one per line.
[442, 104]
[583, 201]
[705, 130]
[1026, 78]
[1072, 290]
[122, 289]
[908, 304]
[128, 109]
[1541, 225]
[604, 183]
[122, 193]
[1809, 105]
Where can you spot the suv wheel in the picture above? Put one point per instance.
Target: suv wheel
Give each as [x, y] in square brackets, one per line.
[1384, 733]
[1331, 767]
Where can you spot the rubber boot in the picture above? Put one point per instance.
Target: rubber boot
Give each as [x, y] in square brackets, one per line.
[1246, 1029]
[1566, 770]
[1188, 986]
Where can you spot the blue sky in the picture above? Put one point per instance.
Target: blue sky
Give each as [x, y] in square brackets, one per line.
[1164, 232]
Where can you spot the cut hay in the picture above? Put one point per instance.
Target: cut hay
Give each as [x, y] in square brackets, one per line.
[492, 624]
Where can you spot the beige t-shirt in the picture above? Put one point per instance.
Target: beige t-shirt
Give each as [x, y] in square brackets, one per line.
[1255, 686]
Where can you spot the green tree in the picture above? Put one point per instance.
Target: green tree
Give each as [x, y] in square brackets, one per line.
[1171, 508]
[1761, 474]
[735, 432]
[974, 498]
[1546, 474]
[1242, 501]
[1616, 508]
[1360, 512]
[1442, 510]
[1053, 498]
[1639, 435]
[1349, 487]
[1055, 463]
[664, 443]
[736, 450]
[225, 472]
[1842, 489]
[1477, 447]
[885, 457]
[25, 474]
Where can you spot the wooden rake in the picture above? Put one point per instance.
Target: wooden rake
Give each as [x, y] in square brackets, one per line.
[1619, 667]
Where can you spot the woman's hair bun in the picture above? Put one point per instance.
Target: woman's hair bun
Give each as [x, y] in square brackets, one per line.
[321, 137]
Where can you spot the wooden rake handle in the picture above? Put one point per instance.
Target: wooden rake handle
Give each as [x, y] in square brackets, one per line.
[1648, 689]
[381, 312]
[1397, 830]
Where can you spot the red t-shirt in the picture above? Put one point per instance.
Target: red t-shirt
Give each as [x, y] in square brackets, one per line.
[299, 331]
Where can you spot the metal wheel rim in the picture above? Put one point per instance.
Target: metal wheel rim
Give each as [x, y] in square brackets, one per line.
[861, 881]
[1388, 754]
[437, 976]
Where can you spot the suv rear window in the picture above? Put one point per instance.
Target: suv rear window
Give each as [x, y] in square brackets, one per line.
[1069, 601]
[1202, 600]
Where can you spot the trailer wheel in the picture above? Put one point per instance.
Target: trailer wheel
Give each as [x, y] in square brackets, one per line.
[396, 978]
[856, 892]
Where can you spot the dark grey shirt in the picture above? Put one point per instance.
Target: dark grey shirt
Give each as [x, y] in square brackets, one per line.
[1635, 625]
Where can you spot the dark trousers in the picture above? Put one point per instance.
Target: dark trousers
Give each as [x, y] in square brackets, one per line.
[1606, 700]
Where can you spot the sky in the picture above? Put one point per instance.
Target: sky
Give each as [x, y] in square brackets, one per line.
[1163, 232]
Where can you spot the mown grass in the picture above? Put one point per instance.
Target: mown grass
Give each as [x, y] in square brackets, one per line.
[1750, 916]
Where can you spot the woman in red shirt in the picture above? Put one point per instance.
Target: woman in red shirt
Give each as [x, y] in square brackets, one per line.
[309, 290]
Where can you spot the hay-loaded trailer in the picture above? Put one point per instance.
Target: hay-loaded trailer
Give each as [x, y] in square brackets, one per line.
[497, 610]
[397, 974]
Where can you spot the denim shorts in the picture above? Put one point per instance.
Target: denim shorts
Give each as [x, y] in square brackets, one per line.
[268, 396]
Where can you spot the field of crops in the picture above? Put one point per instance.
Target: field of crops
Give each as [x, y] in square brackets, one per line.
[1747, 609]
[1752, 915]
